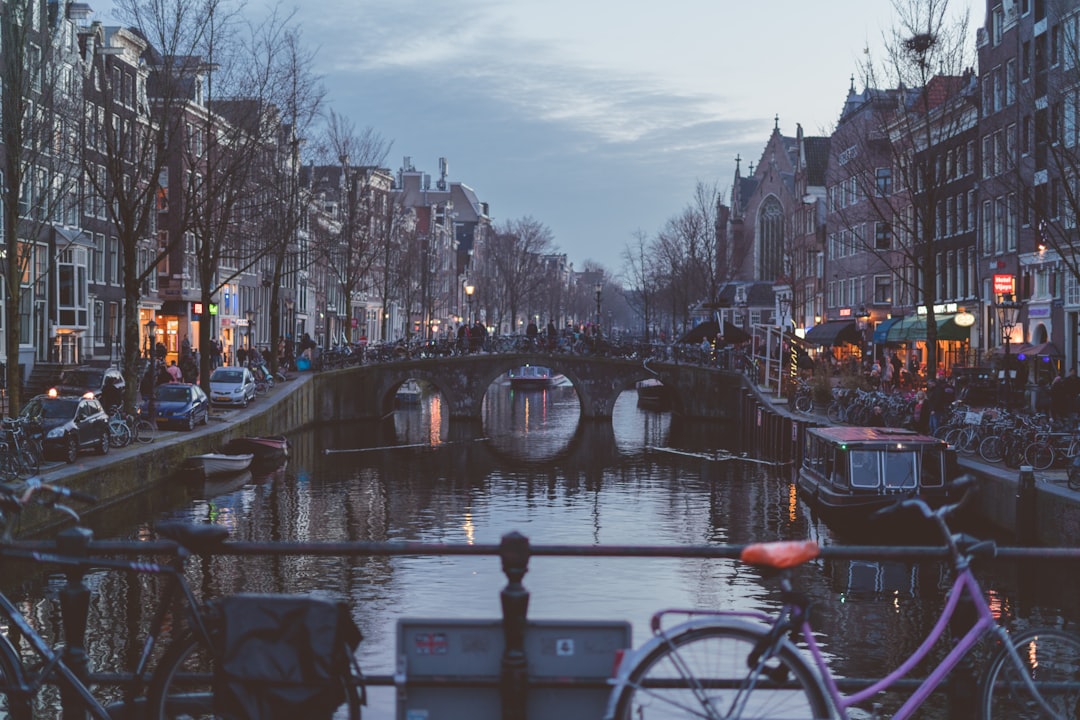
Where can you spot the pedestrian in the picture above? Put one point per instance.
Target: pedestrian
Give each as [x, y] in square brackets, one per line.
[175, 374]
[241, 355]
[887, 377]
[877, 418]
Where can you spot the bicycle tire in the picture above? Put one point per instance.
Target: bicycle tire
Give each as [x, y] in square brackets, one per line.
[119, 434]
[717, 653]
[992, 449]
[1039, 455]
[145, 431]
[260, 387]
[14, 703]
[182, 683]
[835, 412]
[1074, 477]
[1051, 658]
[804, 403]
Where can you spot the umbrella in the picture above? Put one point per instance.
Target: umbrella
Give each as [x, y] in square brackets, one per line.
[707, 330]
[734, 334]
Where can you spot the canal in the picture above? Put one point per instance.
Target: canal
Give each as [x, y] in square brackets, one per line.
[531, 466]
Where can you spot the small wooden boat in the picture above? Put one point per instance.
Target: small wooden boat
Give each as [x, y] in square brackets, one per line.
[265, 449]
[530, 377]
[214, 464]
[652, 395]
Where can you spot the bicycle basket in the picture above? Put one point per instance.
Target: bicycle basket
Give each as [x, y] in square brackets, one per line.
[282, 656]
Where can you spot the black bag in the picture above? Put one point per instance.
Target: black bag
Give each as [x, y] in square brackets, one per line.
[282, 656]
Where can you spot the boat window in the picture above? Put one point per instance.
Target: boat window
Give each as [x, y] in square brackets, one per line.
[933, 467]
[864, 468]
[900, 470]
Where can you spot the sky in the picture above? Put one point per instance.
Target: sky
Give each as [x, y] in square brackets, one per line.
[597, 118]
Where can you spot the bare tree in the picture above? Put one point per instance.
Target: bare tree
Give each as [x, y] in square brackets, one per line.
[41, 111]
[350, 248]
[513, 255]
[640, 279]
[886, 180]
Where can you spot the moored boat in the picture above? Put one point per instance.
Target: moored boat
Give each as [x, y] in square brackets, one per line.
[849, 473]
[530, 377]
[214, 464]
[653, 395]
[264, 449]
[409, 393]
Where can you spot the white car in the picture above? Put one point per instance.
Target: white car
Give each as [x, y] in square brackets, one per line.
[231, 385]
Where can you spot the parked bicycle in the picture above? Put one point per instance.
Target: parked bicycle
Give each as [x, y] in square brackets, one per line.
[211, 640]
[731, 664]
[125, 428]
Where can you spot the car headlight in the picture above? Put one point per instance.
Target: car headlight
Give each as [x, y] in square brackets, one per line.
[56, 432]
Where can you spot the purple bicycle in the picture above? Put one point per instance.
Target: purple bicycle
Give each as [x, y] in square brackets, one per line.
[729, 664]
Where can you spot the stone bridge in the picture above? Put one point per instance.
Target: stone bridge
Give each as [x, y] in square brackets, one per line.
[367, 391]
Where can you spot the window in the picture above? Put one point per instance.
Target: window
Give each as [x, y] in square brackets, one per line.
[882, 289]
[883, 182]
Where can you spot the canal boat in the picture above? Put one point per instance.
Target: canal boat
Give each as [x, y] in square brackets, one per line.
[215, 464]
[266, 450]
[409, 393]
[847, 474]
[653, 395]
[530, 377]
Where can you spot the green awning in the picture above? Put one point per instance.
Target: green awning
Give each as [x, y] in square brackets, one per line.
[913, 328]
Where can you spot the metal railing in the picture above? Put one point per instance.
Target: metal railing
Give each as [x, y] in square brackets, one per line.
[514, 553]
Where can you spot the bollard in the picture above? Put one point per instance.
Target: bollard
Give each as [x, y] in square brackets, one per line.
[514, 551]
[74, 605]
[1026, 515]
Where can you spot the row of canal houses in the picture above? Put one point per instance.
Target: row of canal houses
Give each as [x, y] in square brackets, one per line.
[953, 198]
[80, 269]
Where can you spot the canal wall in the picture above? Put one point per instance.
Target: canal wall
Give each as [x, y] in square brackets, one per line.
[1045, 512]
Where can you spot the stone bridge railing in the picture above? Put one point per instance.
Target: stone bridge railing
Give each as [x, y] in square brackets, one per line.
[367, 391]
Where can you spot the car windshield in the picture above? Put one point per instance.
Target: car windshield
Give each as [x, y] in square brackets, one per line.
[227, 376]
[51, 408]
[83, 378]
[172, 393]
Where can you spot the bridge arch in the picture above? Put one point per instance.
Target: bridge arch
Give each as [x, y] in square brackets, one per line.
[369, 390]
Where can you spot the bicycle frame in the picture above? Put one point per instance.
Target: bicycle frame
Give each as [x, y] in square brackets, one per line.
[54, 660]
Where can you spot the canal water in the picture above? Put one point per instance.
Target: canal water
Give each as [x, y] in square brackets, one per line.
[532, 466]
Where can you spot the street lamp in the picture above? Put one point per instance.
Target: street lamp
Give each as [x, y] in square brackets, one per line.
[249, 315]
[599, 290]
[151, 353]
[469, 290]
[1008, 309]
[784, 301]
[863, 318]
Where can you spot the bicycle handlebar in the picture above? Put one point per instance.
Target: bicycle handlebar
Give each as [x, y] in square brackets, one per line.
[34, 485]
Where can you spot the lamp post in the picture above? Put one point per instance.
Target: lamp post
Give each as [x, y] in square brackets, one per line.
[151, 352]
[469, 290]
[863, 318]
[1008, 309]
[599, 290]
[784, 302]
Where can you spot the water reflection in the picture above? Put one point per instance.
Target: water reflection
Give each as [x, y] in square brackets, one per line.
[532, 466]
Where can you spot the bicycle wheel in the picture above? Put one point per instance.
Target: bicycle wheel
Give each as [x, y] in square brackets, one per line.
[1074, 477]
[992, 449]
[968, 440]
[260, 387]
[1039, 455]
[119, 434]
[702, 672]
[1051, 659]
[182, 684]
[145, 431]
[835, 412]
[14, 703]
[804, 403]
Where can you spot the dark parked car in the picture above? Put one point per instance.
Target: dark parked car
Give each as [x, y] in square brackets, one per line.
[179, 404]
[69, 425]
[81, 380]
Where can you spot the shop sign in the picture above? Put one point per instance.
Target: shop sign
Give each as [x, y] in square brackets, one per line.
[1004, 284]
[1039, 312]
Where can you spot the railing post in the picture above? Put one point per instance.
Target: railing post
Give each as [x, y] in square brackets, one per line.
[514, 551]
[1026, 513]
[74, 606]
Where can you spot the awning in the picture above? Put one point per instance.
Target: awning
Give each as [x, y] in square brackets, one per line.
[881, 332]
[913, 328]
[1046, 349]
[734, 334]
[835, 332]
[707, 330]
